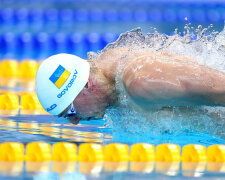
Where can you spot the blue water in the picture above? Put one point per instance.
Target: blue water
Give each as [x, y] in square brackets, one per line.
[28, 128]
[46, 128]
[106, 175]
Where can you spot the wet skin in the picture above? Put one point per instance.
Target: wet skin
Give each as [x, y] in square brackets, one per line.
[92, 101]
[150, 79]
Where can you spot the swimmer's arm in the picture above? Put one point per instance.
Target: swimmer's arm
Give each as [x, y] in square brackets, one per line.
[173, 83]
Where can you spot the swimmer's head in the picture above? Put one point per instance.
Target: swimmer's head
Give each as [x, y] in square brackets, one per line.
[60, 78]
[93, 99]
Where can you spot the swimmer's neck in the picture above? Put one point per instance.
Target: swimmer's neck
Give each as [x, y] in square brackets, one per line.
[103, 77]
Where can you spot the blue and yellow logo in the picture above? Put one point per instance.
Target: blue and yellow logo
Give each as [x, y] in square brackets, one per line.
[60, 76]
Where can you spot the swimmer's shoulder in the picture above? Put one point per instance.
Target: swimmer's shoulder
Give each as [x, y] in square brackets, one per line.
[108, 61]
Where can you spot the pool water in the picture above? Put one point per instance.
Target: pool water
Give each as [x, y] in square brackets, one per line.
[29, 128]
[54, 171]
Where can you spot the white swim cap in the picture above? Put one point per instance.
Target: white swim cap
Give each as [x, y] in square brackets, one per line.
[60, 78]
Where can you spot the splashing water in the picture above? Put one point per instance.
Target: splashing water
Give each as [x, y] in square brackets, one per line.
[207, 50]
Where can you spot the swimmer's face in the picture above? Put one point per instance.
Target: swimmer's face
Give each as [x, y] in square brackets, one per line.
[91, 102]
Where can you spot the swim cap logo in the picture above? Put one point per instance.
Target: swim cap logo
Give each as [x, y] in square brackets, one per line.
[66, 89]
[60, 76]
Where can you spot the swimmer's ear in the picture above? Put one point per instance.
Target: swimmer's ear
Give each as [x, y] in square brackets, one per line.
[86, 86]
[74, 120]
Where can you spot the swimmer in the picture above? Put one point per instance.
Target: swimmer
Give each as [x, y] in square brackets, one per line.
[70, 87]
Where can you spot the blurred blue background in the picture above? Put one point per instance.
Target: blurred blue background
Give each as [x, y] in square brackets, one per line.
[39, 28]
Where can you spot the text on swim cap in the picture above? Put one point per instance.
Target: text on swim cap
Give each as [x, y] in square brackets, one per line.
[64, 91]
[51, 107]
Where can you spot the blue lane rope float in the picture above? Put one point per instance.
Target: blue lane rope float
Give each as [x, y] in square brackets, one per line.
[41, 45]
[32, 17]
